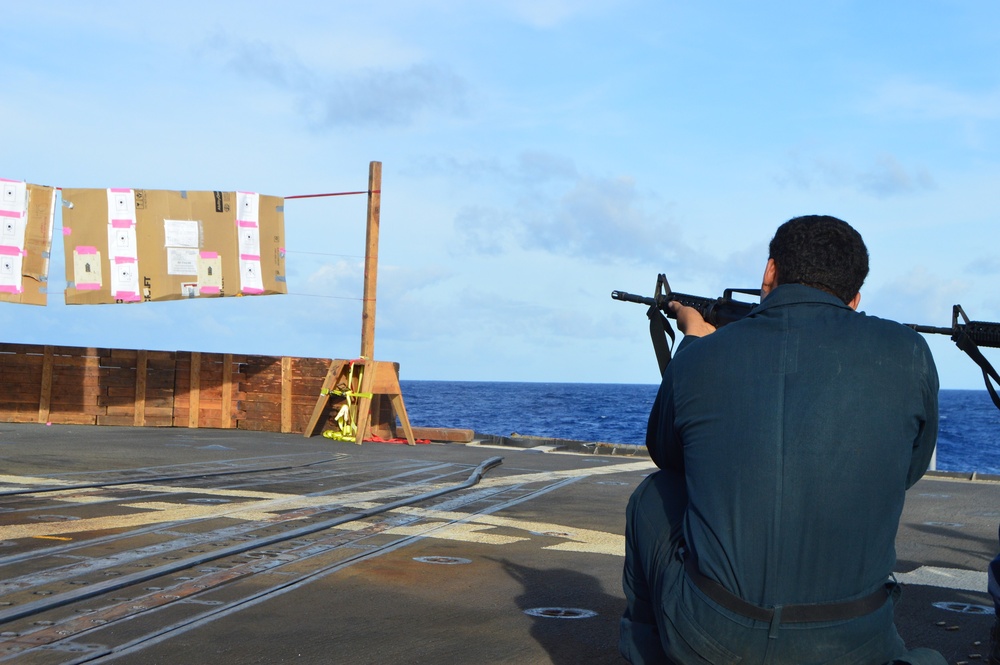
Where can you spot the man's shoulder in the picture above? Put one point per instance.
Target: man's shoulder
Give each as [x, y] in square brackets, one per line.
[844, 324]
[893, 330]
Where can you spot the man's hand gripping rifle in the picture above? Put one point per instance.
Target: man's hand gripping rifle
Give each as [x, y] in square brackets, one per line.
[716, 311]
[969, 336]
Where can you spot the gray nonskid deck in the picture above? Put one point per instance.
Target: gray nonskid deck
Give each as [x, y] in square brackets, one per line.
[522, 567]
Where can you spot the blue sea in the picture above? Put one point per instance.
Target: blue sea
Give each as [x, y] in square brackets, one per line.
[968, 440]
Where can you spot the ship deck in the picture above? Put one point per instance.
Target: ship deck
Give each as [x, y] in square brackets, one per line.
[145, 545]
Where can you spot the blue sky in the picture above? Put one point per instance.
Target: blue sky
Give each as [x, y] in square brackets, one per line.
[537, 154]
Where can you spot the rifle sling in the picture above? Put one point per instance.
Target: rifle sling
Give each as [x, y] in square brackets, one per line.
[659, 330]
[966, 344]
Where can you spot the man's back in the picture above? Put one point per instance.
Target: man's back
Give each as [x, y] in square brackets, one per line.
[799, 429]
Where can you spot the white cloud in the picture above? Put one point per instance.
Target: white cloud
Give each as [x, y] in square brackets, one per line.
[372, 97]
[986, 265]
[933, 102]
[341, 277]
[917, 296]
[884, 177]
[558, 210]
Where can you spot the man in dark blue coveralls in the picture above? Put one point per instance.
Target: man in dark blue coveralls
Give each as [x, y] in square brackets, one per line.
[785, 442]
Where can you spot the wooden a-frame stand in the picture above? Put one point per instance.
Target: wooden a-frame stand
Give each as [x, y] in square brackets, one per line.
[378, 379]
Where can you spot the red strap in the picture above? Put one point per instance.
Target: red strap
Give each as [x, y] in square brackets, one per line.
[377, 439]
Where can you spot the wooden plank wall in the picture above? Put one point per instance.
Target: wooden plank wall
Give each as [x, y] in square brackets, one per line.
[76, 385]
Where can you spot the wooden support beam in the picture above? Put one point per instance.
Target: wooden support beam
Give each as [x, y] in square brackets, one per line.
[45, 396]
[194, 391]
[286, 394]
[227, 391]
[365, 403]
[139, 417]
[444, 434]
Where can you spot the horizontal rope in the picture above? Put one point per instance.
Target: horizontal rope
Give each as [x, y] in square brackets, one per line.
[316, 196]
[345, 256]
[317, 295]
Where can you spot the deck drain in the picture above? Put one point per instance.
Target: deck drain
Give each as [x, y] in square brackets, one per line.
[53, 518]
[953, 525]
[611, 482]
[560, 613]
[442, 560]
[554, 534]
[964, 608]
[208, 500]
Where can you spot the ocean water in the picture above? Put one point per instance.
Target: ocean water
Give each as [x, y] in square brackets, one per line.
[968, 439]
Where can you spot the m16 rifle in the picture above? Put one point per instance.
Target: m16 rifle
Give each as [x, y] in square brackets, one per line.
[969, 336]
[716, 311]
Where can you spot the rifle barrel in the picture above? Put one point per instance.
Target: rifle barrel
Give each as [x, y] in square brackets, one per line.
[631, 297]
[934, 330]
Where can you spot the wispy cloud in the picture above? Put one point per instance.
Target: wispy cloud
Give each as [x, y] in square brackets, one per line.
[342, 276]
[884, 177]
[934, 102]
[987, 265]
[574, 214]
[375, 97]
[918, 296]
[529, 169]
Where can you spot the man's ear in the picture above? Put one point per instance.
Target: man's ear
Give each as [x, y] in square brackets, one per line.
[770, 278]
[855, 301]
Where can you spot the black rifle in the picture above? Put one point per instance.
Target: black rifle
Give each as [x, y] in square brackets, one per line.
[969, 336]
[716, 311]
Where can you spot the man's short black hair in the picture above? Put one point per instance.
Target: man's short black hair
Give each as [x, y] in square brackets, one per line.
[822, 252]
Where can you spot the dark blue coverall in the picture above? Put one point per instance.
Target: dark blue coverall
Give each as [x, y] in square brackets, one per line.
[786, 441]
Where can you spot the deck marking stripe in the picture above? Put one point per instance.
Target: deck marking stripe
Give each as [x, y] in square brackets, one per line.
[948, 578]
[577, 539]
[270, 501]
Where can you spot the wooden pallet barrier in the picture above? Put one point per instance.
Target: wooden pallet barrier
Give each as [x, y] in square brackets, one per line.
[75, 385]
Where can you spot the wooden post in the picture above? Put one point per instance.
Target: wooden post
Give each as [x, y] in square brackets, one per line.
[371, 260]
[194, 390]
[139, 415]
[286, 394]
[45, 396]
[227, 391]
